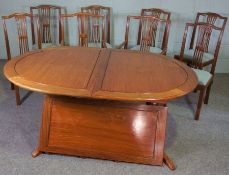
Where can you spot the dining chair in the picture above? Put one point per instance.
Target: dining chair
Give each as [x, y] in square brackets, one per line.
[50, 27]
[204, 34]
[21, 21]
[188, 52]
[146, 34]
[156, 12]
[90, 27]
[101, 10]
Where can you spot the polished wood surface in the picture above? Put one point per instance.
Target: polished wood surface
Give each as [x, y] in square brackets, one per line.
[130, 132]
[169, 162]
[102, 73]
[112, 121]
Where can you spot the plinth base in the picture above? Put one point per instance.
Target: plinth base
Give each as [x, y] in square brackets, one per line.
[119, 131]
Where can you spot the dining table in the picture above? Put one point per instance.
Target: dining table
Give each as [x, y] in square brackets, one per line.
[103, 103]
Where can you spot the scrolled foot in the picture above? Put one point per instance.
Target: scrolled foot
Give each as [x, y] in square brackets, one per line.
[36, 153]
[168, 162]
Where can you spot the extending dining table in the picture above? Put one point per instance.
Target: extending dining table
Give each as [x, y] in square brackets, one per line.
[103, 103]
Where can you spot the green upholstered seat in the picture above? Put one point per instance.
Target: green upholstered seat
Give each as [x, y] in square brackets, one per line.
[152, 49]
[203, 76]
[188, 56]
[98, 45]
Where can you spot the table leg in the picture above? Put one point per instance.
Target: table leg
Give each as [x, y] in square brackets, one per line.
[168, 162]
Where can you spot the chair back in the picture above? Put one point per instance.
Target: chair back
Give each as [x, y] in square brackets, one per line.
[155, 12]
[153, 32]
[21, 20]
[49, 17]
[101, 10]
[90, 27]
[209, 18]
[206, 35]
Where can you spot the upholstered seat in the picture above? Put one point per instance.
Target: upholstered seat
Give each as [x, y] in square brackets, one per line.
[152, 49]
[98, 45]
[45, 45]
[188, 56]
[203, 76]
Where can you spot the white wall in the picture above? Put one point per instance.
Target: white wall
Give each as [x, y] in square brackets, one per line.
[182, 11]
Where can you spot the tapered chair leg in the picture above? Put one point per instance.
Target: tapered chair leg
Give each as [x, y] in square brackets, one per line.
[200, 102]
[207, 94]
[12, 86]
[17, 94]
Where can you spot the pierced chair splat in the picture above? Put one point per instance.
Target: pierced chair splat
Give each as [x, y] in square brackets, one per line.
[90, 29]
[101, 10]
[209, 37]
[50, 27]
[152, 35]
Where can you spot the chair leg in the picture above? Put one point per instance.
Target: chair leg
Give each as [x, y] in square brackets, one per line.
[17, 94]
[207, 94]
[12, 86]
[200, 102]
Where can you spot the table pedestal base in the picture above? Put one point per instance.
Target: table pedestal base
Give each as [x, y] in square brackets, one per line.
[119, 131]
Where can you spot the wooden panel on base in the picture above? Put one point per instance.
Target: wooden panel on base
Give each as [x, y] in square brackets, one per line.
[120, 131]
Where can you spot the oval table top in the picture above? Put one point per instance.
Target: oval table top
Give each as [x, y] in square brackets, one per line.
[101, 73]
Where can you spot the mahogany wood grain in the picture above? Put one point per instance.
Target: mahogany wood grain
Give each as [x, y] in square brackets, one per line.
[130, 132]
[95, 126]
[102, 73]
